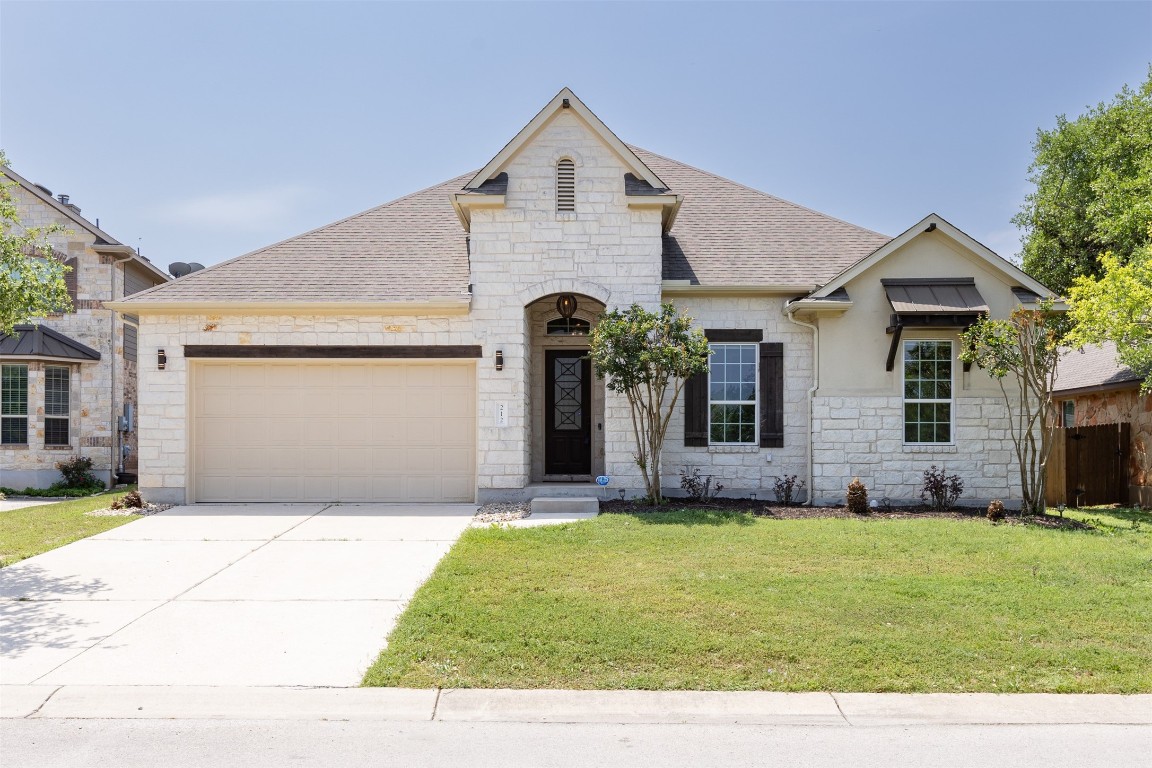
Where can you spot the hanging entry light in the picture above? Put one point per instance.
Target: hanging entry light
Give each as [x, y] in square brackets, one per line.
[566, 306]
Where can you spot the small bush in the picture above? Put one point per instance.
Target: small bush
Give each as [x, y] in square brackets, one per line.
[130, 500]
[786, 488]
[996, 511]
[940, 491]
[857, 497]
[77, 472]
[698, 488]
[56, 489]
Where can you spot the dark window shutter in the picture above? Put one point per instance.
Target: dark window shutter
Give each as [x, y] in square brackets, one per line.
[70, 278]
[696, 410]
[772, 395]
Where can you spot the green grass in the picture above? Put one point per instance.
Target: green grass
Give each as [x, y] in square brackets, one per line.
[724, 601]
[32, 530]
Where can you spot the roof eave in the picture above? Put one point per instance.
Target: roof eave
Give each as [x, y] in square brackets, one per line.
[687, 288]
[438, 308]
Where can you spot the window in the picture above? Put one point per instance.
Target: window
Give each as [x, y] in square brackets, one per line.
[927, 392]
[1068, 413]
[732, 394]
[565, 185]
[571, 326]
[14, 404]
[56, 400]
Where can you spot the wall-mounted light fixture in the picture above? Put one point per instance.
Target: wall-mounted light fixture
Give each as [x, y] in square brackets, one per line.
[566, 306]
[499, 359]
[161, 359]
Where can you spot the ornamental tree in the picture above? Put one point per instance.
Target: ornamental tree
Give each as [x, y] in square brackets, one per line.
[647, 356]
[1118, 307]
[31, 274]
[1026, 345]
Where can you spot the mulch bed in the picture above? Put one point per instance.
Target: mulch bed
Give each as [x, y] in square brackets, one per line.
[770, 510]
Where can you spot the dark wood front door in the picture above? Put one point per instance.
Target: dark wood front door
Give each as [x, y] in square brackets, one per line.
[567, 413]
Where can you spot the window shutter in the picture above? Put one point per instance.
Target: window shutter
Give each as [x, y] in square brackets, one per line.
[565, 185]
[70, 279]
[696, 410]
[772, 395]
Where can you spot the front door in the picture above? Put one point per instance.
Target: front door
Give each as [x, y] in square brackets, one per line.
[568, 412]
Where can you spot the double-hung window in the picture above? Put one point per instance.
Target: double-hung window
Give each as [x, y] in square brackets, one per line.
[732, 407]
[13, 404]
[928, 403]
[56, 405]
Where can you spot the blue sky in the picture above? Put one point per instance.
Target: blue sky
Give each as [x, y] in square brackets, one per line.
[200, 131]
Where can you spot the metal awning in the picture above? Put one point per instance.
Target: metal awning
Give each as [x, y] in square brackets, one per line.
[931, 302]
[38, 341]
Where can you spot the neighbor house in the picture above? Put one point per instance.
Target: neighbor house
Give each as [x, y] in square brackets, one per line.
[66, 381]
[1093, 388]
[432, 349]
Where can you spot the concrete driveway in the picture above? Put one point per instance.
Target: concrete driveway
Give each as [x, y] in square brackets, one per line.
[255, 594]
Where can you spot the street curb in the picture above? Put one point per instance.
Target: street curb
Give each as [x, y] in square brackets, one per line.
[546, 706]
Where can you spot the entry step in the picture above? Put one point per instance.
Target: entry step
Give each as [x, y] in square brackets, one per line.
[557, 505]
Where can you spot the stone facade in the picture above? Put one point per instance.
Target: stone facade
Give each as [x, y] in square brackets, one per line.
[98, 389]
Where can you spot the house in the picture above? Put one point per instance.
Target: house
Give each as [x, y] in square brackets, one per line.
[1093, 388]
[65, 382]
[431, 349]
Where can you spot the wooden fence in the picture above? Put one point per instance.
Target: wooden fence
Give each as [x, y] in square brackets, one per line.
[1089, 466]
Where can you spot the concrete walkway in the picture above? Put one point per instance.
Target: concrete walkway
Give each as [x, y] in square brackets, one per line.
[8, 505]
[212, 595]
[540, 706]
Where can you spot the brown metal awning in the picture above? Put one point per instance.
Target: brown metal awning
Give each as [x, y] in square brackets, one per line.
[931, 302]
[38, 341]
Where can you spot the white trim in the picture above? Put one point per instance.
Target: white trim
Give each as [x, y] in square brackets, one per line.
[950, 401]
[755, 392]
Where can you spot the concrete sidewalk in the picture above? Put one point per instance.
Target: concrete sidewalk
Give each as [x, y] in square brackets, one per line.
[539, 706]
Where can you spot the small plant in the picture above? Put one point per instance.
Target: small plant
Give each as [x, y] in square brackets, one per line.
[699, 489]
[77, 472]
[940, 491]
[130, 500]
[786, 488]
[857, 497]
[996, 511]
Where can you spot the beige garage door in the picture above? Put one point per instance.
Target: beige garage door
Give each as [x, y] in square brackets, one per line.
[333, 431]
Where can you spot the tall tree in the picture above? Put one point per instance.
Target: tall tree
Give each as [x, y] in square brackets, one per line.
[31, 274]
[1027, 345]
[647, 356]
[1093, 178]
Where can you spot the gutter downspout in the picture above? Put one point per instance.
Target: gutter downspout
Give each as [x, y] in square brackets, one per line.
[116, 456]
[811, 395]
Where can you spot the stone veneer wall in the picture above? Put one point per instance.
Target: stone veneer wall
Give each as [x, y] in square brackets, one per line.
[1126, 405]
[863, 437]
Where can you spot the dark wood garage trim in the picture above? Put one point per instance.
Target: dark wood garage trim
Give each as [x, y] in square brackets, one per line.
[344, 352]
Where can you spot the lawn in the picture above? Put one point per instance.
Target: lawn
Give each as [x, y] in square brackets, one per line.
[31, 530]
[727, 601]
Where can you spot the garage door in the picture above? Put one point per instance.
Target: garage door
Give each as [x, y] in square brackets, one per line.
[333, 431]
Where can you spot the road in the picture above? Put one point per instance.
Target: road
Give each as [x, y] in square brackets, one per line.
[87, 743]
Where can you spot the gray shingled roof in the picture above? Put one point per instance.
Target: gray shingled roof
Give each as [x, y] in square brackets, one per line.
[728, 234]
[41, 341]
[413, 249]
[1093, 366]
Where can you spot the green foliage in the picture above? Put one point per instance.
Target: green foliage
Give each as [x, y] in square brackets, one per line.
[1093, 178]
[857, 497]
[56, 490]
[77, 472]
[1028, 346]
[644, 355]
[1118, 307]
[33, 530]
[31, 274]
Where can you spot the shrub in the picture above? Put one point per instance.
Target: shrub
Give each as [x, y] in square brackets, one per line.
[786, 489]
[130, 500]
[698, 488]
[57, 489]
[857, 497]
[940, 491]
[77, 472]
[996, 511]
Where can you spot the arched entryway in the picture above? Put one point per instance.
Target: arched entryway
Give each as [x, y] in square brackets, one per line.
[566, 401]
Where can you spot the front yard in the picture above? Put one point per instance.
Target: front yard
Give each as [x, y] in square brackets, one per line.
[726, 601]
[32, 530]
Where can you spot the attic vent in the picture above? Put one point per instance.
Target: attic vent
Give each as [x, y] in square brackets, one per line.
[565, 185]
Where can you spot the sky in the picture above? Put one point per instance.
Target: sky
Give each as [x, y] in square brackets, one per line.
[199, 131]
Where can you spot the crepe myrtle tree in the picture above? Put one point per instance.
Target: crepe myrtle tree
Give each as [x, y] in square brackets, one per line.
[1027, 345]
[647, 356]
[31, 274]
